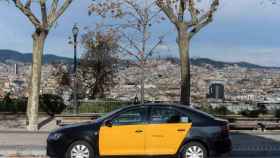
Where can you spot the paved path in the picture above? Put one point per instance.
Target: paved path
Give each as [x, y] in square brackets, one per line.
[245, 145]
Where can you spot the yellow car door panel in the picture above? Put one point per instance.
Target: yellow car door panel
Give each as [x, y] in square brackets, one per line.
[125, 134]
[167, 129]
[122, 140]
[165, 139]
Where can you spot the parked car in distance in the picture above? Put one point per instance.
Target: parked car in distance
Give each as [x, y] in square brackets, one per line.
[144, 130]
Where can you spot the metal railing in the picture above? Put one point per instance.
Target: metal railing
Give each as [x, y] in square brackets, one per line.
[104, 106]
[98, 106]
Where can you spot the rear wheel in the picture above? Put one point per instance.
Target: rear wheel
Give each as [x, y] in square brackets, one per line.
[80, 149]
[193, 150]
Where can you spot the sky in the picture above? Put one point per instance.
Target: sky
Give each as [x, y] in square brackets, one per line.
[242, 30]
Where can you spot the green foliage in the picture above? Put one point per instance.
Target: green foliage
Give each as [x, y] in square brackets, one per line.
[277, 113]
[13, 105]
[250, 113]
[216, 111]
[262, 109]
[52, 104]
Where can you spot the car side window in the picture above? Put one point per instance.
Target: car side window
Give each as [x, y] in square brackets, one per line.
[134, 116]
[167, 115]
[198, 119]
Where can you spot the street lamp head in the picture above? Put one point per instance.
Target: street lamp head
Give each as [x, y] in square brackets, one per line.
[75, 30]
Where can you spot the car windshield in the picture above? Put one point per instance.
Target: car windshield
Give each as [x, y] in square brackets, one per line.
[107, 115]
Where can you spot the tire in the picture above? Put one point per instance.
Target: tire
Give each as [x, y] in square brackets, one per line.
[81, 149]
[193, 150]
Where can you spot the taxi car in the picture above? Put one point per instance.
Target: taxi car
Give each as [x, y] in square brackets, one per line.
[143, 130]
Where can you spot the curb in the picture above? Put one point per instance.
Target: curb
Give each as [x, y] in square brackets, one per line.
[23, 132]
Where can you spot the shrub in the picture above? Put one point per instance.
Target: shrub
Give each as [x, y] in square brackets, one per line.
[52, 104]
[20, 105]
[13, 105]
[250, 113]
[277, 113]
[49, 103]
[222, 110]
[262, 109]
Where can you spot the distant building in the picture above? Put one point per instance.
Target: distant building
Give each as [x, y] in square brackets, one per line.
[216, 91]
[15, 69]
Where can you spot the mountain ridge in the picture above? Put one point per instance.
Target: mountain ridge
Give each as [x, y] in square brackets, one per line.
[222, 64]
[7, 55]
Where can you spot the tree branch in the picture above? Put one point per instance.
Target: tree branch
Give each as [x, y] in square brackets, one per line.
[205, 19]
[61, 10]
[168, 10]
[44, 14]
[150, 53]
[193, 12]
[130, 53]
[28, 4]
[198, 27]
[131, 42]
[27, 12]
[53, 10]
[137, 10]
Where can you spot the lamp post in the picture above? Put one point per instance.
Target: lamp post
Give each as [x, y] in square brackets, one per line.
[75, 31]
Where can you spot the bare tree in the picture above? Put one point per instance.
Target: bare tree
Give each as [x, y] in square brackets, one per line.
[134, 20]
[189, 19]
[274, 2]
[99, 63]
[42, 27]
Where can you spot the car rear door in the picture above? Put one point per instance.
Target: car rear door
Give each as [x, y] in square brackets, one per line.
[166, 130]
[126, 136]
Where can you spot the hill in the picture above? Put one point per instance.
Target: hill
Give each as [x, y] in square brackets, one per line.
[11, 55]
[221, 64]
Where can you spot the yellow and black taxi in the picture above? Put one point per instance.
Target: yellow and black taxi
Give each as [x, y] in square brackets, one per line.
[143, 130]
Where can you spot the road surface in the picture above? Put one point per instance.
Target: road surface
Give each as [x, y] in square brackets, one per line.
[245, 145]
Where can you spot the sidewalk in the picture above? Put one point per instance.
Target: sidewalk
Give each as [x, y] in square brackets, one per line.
[19, 142]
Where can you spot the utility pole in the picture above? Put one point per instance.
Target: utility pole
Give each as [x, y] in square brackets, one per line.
[75, 32]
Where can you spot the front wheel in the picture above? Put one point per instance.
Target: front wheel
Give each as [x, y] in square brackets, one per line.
[193, 150]
[80, 149]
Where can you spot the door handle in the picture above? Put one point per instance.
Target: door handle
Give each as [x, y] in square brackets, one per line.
[139, 131]
[181, 130]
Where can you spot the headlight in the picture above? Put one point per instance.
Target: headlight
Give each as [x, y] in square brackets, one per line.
[54, 136]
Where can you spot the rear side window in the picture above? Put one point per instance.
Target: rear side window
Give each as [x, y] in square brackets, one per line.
[166, 115]
[198, 119]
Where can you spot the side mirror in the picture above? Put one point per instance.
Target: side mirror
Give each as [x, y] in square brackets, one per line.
[108, 123]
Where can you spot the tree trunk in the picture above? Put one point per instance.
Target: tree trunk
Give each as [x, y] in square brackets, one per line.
[183, 43]
[142, 85]
[34, 87]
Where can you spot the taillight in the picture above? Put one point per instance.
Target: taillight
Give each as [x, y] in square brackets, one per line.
[225, 130]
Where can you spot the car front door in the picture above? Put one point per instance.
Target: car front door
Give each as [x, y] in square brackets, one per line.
[124, 134]
[166, 130]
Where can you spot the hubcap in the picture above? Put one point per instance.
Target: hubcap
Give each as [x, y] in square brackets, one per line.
[194, 152]
[80, 151]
